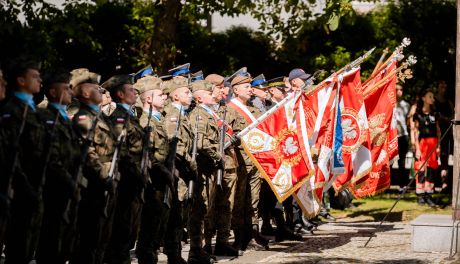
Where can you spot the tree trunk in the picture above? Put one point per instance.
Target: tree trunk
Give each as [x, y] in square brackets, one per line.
[456, 213]
[163, 47]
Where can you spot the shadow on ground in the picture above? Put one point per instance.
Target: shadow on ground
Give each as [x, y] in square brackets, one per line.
[322, 260]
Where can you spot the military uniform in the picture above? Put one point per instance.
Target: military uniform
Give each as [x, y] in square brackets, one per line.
[185, 168]
[59, 187]
[245, 217]
[26, 208]
[155, 213]
[95, 211]
[204, 120]
[129, 191]
[220, 209]
[248, 176]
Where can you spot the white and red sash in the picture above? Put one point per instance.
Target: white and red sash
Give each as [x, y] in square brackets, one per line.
[242, 110]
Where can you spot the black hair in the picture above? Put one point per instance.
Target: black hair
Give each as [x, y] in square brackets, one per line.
[116, 83]
[419, 109]
[54, 77]
[18, 68]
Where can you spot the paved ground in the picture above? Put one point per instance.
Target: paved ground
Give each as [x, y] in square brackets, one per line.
[342, 242]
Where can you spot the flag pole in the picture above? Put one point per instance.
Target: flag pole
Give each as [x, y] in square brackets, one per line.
[261, 118]
[345, 68]
[379, 63]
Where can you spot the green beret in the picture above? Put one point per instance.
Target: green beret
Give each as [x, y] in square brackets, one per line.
[83, 75]
[175, 83]
[148, 83]
[202, 85]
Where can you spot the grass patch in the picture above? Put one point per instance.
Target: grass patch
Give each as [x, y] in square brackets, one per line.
[407, 209]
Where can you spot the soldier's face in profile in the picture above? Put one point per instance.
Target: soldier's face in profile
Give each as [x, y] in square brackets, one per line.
[95, 94]
[184, 96]
[30, 82]
[129, 94]
[158, 99]
[260, 93]
[218, 93]
[277, 94]
[63, 93]
[2, 86]
[243, 91]
[206, 98]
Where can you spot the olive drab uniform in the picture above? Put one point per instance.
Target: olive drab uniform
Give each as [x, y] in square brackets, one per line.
[95, 211]
[184, 169]
[204, 120]
[55, 243]
[155, 213]
[129, 191]
[220, 209]
[26, 208]
[245, 211]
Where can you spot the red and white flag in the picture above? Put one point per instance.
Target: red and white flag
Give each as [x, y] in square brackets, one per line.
[319, 111]
[281, 155]
[380, 103]
[356, 143]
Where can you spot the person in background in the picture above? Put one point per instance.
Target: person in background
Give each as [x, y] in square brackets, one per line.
[426, 133]
[401, 113]
[445, 109]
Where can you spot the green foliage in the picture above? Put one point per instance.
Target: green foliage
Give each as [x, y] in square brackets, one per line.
[110, 36]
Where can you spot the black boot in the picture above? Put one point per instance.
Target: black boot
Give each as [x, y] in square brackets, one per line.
[326, 215]
[257, 238]
[237, 243]
[282, 230]
[176, 259]
[224, 249]
[428, 200]
[208, 249]
[199, 256]
[267, 228]
[420, 199]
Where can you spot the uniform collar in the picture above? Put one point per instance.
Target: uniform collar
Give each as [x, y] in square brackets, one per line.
[127, 107]
[27, 99]
[155, 114]
[93, 107]
[179, 107]
[61, 109]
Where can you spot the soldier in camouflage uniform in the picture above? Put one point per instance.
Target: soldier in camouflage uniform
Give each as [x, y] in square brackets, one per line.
[129, 190]
[25, 138]
[95, 211]
[245, 220]
[220, 204]
[155, 213]
[59, 185]
[209, 159]
[79, 76]
[185, 168]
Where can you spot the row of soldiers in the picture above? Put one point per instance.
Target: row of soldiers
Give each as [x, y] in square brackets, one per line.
[86, 180]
